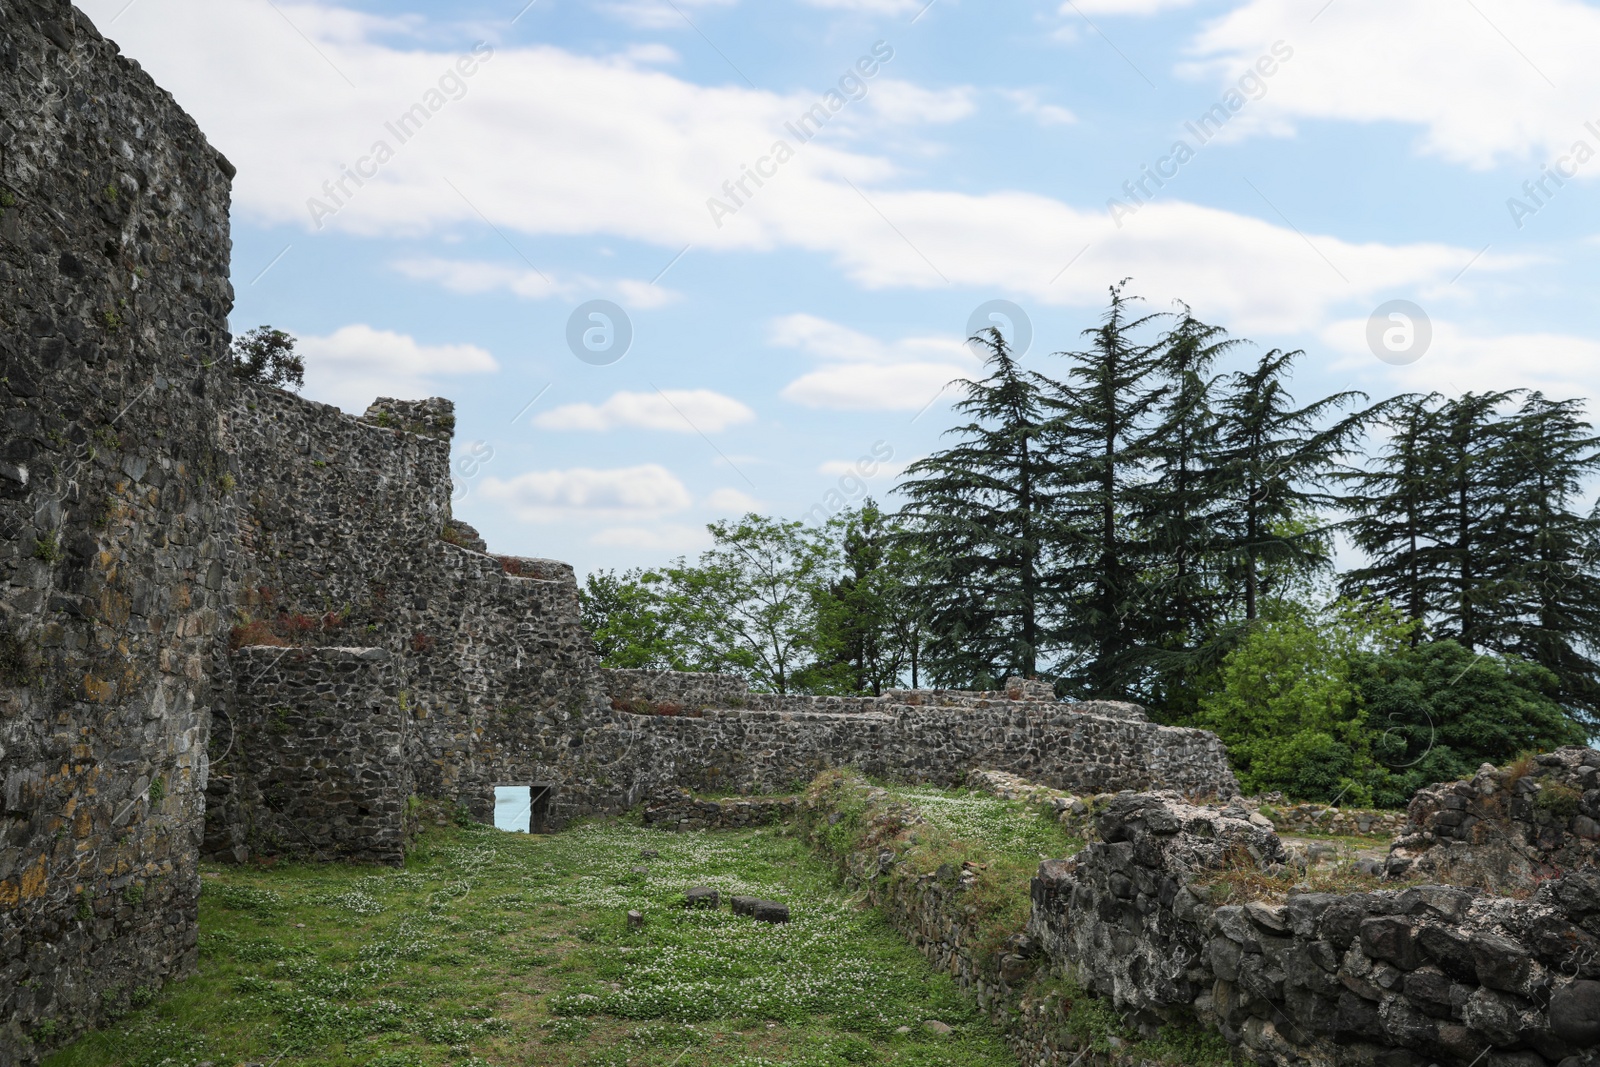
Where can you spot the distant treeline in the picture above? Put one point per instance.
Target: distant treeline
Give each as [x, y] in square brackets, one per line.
[1138, 525]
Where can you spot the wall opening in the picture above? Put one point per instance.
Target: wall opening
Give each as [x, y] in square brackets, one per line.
[523, 809]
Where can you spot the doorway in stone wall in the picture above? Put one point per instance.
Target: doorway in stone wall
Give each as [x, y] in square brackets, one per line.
[523, 808]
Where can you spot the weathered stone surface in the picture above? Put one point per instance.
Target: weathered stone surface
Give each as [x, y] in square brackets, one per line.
[1415, 975]
[1500, 829]
[114, 582]
[701, 897]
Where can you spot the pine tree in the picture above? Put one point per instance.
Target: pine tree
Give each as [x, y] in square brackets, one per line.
[979, 513]
[1099, 444]
[1392, 515]
[1178, 509]
[1543, 552]
[1275, 458]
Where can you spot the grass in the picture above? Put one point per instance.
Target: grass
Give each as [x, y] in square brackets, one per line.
[496, 948]
[999, 842]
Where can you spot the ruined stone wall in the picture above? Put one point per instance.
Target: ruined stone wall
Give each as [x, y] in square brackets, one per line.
[768, 751]
[114, 578]
[317, 750]
[340, 541]
[1399, 977]
[1515, 826]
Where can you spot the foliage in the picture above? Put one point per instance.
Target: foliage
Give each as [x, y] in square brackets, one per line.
[870, 620]
[267, 356]
[1438, 712]
[1286, 703]
[627, 615]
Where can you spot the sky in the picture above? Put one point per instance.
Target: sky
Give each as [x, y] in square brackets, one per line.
[676, 260]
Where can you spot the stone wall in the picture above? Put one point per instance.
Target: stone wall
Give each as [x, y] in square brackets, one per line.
[316, 757]
[680, 809]
[114, 576]
[749, 751]
[341, 521]
[1406, 976]
[1513, 827]
[644, 690]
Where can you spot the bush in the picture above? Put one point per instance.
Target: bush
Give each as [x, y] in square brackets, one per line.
[267, 356]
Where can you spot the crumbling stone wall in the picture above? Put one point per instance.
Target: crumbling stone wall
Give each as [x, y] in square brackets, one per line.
[316, 755]
[751, 751]
[1514, 827]
[1413, 975]
[114, 572]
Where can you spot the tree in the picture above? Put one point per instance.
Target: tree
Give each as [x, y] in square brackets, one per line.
[866, 617]
[980, 515]
[1436, 711]
[1392, 515]
[750, 602]
[1274, 458]
[1099, 448]
[1177, 508]
[1287, 704]
[1548, 552]
[631, 621]
[267, 356]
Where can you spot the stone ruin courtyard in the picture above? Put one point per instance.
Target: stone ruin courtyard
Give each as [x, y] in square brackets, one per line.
[259, 689]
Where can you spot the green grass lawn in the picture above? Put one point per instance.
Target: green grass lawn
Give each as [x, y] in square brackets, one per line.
[507, 949]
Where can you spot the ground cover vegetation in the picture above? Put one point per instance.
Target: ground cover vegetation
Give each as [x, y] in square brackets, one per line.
[499, 948]
[983, 851]
[1132, 522]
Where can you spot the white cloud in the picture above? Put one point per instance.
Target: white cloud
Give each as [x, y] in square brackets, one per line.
[1473, 76]
[862, 373]
[833, 341]
[355, 364]
[548, 142]
[676, 410]
[904, 103]
[1462, 358]
[657, 14]
[625, 493]
[1027, 101]
[483, 276]
[732, 501]
[873, 387]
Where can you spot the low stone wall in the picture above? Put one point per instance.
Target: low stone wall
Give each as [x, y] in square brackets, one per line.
[1339, 822]
[1515, 826]
[756, 752]
[1398, 977]
[682, 810]
[317, 765]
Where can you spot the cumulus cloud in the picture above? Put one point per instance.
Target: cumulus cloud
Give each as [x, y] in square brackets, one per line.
[578, 493]
[863, 373]
[1028, 103]
[548, 142]
[1479, 79]
[355, 364]
[473, 276]
[675, 410]
[1461, 359]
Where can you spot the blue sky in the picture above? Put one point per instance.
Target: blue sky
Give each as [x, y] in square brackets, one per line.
[568, 152]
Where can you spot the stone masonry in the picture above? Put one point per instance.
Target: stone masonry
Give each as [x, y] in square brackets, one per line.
[115, 572]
